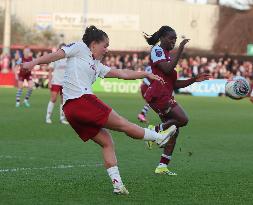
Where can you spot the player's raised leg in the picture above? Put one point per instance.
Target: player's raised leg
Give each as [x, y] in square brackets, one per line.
[142, 115]
[118, 123]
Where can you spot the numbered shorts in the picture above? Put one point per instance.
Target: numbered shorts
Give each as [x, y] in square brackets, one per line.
[86, 115]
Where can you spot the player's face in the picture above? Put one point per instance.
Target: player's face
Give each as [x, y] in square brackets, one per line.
[26, 52]
[99, 49]
[169, 40]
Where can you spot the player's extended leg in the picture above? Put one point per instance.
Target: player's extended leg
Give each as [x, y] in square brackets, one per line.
[19, 93]
[142, 115]
[118, 123]
[177, 113]
[29, 93]
[104, 139]
[50, 106]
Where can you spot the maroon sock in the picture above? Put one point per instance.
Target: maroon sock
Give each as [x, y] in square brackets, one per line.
[165, 159]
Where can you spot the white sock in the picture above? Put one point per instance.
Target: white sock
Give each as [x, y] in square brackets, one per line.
[161, 127]
[162, 165]
[62, 116]
[50, 108]
[113, 173]
[166, 156]
[150, 135]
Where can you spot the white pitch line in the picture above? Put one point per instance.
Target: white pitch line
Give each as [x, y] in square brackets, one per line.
[14, 157]
[44, 168]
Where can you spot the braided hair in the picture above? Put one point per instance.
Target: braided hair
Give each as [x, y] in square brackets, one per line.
[155, 37]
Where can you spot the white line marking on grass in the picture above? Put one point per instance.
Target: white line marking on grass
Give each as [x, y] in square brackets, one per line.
[44, 168]
[14, 157]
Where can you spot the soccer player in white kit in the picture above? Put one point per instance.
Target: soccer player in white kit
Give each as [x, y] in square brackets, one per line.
[88, 115]
[55, 85]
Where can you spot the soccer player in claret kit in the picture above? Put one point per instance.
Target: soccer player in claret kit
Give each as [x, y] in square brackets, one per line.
[160, 96]
[22, 76]
[87, 114]
[55, 85]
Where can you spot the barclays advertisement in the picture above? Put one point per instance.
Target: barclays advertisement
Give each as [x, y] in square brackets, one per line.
[206, 88]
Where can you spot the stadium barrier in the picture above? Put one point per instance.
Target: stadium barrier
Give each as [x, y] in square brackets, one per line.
[206, 88]
[7, 79]
[113, 85]
[215, 87]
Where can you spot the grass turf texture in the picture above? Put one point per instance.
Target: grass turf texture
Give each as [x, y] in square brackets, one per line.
[213, 156]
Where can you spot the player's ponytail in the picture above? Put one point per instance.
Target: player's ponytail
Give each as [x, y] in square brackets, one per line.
[152, 39]
[155, 37]
[93, 34]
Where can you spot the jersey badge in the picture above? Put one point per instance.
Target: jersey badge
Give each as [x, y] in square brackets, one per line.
[158, 52]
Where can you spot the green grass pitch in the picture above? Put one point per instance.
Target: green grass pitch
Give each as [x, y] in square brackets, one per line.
[49, 164]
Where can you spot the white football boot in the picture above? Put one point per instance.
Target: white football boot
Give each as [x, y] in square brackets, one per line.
[120, 190]
[48, 121]
[165, 136]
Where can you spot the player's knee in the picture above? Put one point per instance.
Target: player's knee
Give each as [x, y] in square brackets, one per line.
[184, 121]
[109, 144]
[53, 99]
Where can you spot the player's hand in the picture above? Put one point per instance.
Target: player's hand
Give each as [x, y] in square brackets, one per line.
[183, 43]
[49, 85]
[202, 76]
[27, 65]
[151, 76]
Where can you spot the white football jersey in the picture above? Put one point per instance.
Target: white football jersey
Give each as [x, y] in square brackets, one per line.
[81, 72]
[58, 73]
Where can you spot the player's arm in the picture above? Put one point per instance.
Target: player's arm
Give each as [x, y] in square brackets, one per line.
[184, 83]
[131, 75]
[45, 59]
[166, 66]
